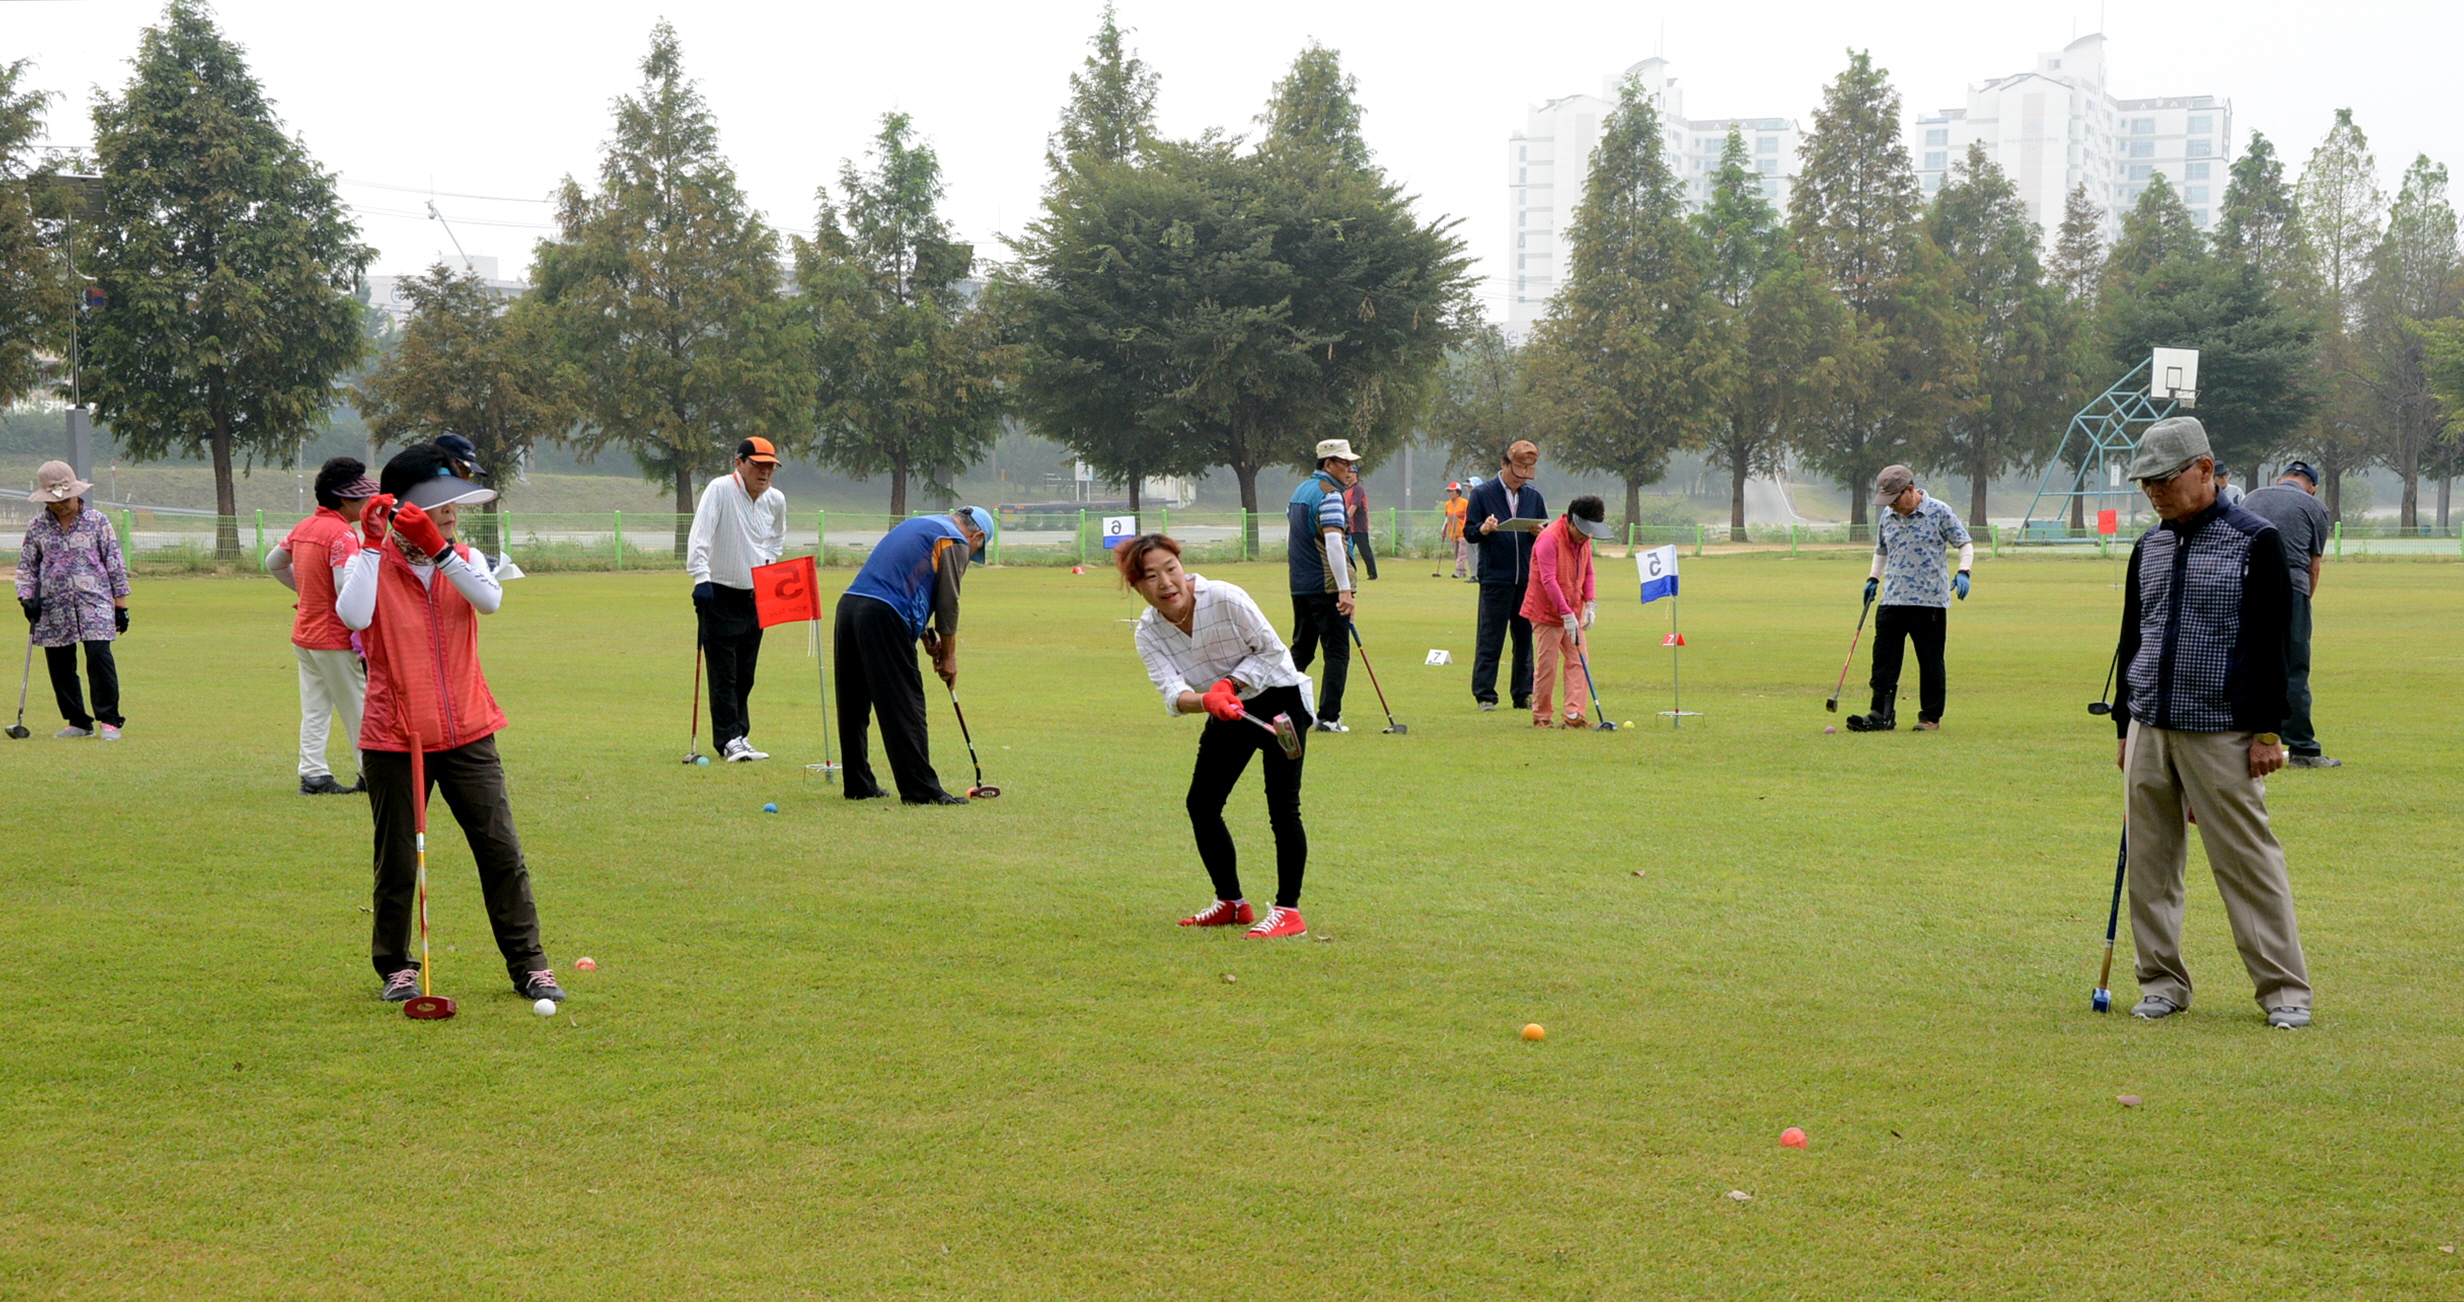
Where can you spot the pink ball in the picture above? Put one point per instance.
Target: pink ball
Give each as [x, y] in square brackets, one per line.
[586, 965]
[1792, 1138]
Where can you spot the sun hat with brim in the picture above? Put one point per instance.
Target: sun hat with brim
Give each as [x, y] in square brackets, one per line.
[2168, 447]
[1339, 448]
[448, 489]
[1593, 528]
[358, 489]
[55, 482]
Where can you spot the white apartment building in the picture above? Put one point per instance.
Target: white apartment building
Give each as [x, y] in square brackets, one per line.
[385, 292]
[1548, 160]
[2055, 127]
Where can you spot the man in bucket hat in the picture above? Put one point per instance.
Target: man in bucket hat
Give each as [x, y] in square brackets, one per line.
[333, 680]
[1911, 532]
[73, 587]
[2201, 695]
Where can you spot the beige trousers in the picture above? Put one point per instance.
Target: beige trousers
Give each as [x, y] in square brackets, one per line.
[331, 683]
[2166, 774]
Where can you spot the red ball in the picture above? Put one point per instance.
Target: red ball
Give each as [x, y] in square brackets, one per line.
[1792, 1138]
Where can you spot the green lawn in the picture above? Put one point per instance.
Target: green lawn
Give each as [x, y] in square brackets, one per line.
[867, 1052]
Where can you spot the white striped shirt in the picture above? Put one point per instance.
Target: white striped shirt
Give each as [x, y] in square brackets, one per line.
[1228, 637]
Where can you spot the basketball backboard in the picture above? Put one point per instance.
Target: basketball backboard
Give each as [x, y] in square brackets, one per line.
[2173, 374]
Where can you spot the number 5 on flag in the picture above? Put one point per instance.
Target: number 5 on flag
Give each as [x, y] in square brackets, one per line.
[1659, 571]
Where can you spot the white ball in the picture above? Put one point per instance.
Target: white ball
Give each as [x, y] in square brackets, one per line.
[545, 1008]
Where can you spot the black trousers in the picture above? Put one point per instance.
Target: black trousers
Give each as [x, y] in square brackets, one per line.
[1498, 604]
[1924, 626]
[731, 643]
[105, 671]
[472, 781]
[877, 676]
[1223, 755]
[1320, 624]
[1368, 558]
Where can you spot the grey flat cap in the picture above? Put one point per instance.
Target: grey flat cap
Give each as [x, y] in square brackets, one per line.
[2168, 446]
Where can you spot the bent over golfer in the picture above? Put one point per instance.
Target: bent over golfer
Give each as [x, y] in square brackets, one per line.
[1208, 647]
[1910, 535]
[908, 589]
[2204, 620]
[415, 597]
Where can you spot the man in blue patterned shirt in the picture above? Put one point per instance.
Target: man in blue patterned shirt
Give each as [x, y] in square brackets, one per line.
[1317, 549]
[2205, 618]
[1911, 532]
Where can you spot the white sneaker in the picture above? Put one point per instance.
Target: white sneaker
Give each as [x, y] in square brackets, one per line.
[72, 732]
[1329, 725]
[739, 750]
[107, 732]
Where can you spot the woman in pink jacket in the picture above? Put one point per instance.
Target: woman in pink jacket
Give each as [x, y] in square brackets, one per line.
[1558, 600]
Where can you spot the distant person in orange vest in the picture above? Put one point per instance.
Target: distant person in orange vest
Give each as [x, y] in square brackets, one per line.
[333, 680]
[416, 596]
[1453, 531]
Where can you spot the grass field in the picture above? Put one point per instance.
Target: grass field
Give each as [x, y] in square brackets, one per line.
[867, 1052]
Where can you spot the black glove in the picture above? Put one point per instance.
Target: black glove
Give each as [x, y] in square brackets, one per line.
[1872, 586]
[702, 593]
[33, 607]
[119, 619]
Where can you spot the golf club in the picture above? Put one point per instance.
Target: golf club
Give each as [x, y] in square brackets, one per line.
[1391, 725]
[426, 1006]
[693, 744]
[1583, 657]
[979, 791]
[2103, 704]
[1285, 734]
[17, 731]
[2102, 1000]
[1833, 704]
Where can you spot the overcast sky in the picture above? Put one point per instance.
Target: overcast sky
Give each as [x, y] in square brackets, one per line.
[504, 98]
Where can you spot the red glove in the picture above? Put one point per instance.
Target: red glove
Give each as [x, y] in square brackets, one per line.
[1223, 701]
[375, 518]
[420, 531]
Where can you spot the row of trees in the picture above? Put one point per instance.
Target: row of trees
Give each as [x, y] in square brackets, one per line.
[1865, 327]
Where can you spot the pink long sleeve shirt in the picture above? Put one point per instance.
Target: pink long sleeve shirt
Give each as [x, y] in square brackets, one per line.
[1561, 582]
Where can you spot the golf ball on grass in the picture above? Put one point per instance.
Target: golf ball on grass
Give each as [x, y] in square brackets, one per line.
[1534, 1031]
[1792, 1138]
[545, 1008]
[701, 761]
[769, 809]
[1830, 730]
[586, 964]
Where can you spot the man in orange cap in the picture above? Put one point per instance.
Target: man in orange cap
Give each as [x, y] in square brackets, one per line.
[740, 522]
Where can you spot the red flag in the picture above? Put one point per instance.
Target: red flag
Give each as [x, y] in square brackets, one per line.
[786, 591]
[2108, 522]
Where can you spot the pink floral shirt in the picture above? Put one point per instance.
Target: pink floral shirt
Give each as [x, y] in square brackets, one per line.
[76, 571]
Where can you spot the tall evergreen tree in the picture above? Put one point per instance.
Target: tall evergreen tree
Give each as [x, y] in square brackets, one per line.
[2009, 417]
[1618, 360]
[2260, 222]
[2078, 247]
[662, 295]
[1483, 402]
[2416, 277]
[1080, 382]
[1768, 315]
[2157, 228]
[2344, 214]
[226, 260]
[35, 291]
[912, 366]
[1895, 354]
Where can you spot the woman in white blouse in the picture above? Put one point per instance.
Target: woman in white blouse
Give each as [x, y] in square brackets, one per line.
[1210, 650]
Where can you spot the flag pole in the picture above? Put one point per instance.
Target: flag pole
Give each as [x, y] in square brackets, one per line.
[1676, 656]
[821, 671]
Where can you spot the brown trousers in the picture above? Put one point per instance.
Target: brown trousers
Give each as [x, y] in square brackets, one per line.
[2166, 772]
[472, 781]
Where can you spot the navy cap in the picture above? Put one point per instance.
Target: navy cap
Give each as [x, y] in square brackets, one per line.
[2302, 468]
[462, 450]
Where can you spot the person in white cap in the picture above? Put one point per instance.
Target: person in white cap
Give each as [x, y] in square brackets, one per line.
[73, 587]
[1318, 553]
[1911, 532]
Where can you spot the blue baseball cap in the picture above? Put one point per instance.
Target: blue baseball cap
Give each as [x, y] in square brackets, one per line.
[2301, 468]
[982, 520]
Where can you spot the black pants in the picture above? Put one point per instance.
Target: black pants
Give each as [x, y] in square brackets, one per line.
[731, 642]
[877, 675]
[472, 781]
[1368, 558]
[105, 671]
[1223, 755]
[2300, 735]
[1320, 624]
[1922, 625]
[1498, 604]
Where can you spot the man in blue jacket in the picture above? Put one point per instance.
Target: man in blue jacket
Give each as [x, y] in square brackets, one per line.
[1317, 552]
[911, 580]
[1505, 562]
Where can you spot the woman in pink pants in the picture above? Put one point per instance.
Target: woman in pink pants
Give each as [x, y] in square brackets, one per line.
[1558, 600]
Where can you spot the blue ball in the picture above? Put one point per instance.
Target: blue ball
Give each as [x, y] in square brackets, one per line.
[769, 809]
[701, 761]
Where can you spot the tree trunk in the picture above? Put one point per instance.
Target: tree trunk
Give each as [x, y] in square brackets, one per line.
[1858, 487]
[1736, 499]
[1134, 485]
[1248, 477]
[226, 499]
[2409, 466]
[1634, 504]
[898, 491]
[684, 509]
[2331, 487]
[1976, 501]
[2445, 484]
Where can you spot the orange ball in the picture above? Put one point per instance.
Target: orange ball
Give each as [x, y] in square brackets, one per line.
[1534, 1031]
[586, 964]
[1792, 1138]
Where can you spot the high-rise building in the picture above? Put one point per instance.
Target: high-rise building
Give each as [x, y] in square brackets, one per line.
[1549, 159]
[2055, 127]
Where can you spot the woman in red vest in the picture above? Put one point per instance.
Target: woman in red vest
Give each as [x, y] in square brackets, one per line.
[425, 689]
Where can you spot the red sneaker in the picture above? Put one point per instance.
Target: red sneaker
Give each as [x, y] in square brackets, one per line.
[1222, 913]
[1279, 921]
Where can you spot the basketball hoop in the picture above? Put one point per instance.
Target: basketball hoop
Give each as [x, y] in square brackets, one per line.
[2173, 376]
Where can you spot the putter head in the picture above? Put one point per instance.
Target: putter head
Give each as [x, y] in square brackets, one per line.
[691, 756]
[18, 732]
[1832, 705]
[1287, 736]
[982, 792]
[427, 1008]
[2100, 707]
[1396, 727]
[1605, 725]
[2102, 1000]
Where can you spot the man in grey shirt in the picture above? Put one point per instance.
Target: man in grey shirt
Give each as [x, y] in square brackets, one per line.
[2292, 505]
